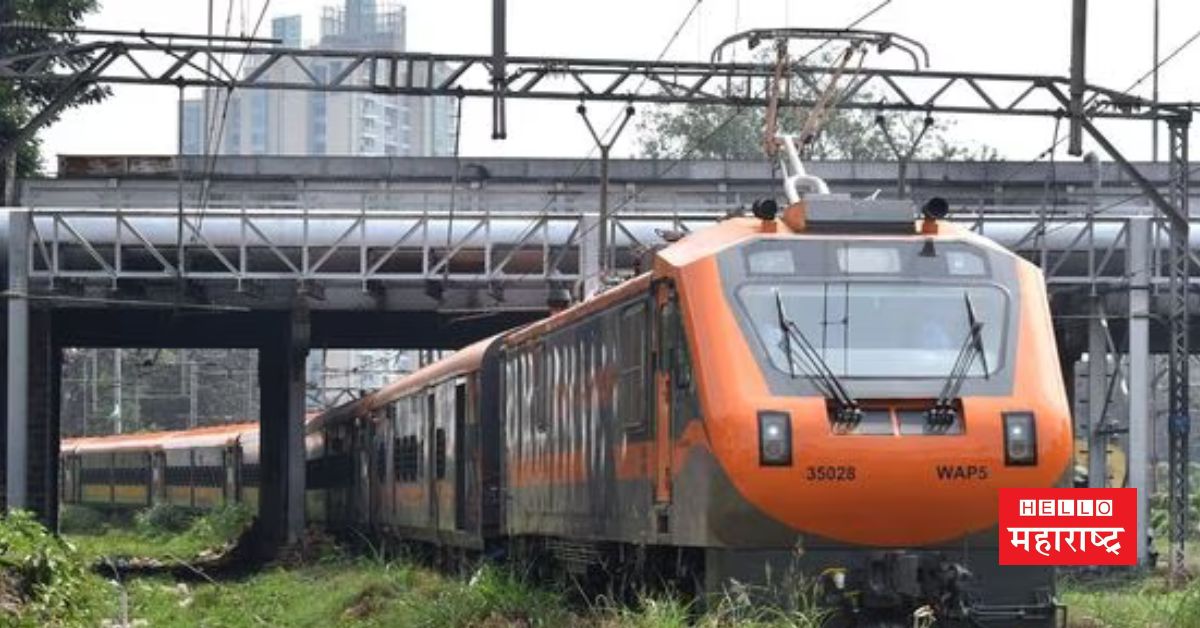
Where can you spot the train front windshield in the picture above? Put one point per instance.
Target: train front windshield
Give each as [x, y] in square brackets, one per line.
[867, 329]
[872, 309]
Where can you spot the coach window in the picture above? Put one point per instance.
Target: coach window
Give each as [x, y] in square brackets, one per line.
[439, 445]
[673, 353]
[631, 392]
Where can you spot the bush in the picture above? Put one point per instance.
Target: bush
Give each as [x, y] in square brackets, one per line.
[76, 519]
[43, 579]
[164, 519]
[222, 524]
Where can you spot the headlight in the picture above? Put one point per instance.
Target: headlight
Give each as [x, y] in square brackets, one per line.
[774, 438]
[1020, 439]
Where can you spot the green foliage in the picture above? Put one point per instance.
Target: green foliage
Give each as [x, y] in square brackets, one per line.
[164, 519]
[76, 519]
[42, 579]
[737, 607]
[721, 132]
[1160, 513]
[1187, 611]
[1139, 602]
[350, 592]
[222, 524]
[20, 101]
[168, 534]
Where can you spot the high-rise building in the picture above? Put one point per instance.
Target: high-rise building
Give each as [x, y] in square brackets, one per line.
[287, 30]
[260, 122]
[193, 126]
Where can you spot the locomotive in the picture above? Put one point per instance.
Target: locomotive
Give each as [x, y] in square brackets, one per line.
[831, 395]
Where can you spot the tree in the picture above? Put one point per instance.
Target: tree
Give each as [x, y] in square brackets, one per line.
[721, 132]
[19, 102]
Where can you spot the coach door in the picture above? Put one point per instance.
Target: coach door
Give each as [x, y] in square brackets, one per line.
[158, 472]
[232, 462]
[668, 380]
[432, 449]
[458, 438]
[378, 473]
[70, 479]
[362, 471]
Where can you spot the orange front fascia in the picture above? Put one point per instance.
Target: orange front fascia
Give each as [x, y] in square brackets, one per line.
[896, 497]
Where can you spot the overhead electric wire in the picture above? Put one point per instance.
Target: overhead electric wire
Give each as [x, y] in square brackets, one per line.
[579, 165]
[693, 146]
[453, 190]
[740, 109]
[585, 160]
[862, 18]
[212, 158]
[1174, 53]
[1043, 154]
[637, 90]
[211, 122]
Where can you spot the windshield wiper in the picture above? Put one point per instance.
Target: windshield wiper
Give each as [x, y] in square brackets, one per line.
[796, 345]
[943, 414]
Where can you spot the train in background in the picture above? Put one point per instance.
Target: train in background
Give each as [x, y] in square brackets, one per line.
[201, 468]
[830, 394]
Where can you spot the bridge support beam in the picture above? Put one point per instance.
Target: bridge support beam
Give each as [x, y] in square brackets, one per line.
[1138, 269]
[281, 374]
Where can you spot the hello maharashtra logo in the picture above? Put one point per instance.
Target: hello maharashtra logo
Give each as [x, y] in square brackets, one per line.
[1068, 526]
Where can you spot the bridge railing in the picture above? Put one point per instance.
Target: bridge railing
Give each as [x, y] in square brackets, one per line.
[471, 246]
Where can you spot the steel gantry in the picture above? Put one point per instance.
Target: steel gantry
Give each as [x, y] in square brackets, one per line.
[142, 58]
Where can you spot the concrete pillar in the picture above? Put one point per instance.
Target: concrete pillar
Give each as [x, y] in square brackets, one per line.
[17, 418]
[1138, 269]
[281, 376]
[1097, 391]
[34, 365]
[45, 399]
[34, 440]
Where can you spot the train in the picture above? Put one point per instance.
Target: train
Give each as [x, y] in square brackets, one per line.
[200, 469]
[827, 394]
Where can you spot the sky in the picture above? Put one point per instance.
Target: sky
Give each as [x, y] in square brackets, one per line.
[1014, 36]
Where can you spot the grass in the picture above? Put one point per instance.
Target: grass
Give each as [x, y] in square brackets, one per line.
[1142, 601]
[341, 590]
[162, 536]
[348, 592]
[334, 588]
[360, 592]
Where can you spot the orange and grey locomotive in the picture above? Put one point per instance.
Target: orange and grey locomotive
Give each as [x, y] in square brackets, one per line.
[831, 396]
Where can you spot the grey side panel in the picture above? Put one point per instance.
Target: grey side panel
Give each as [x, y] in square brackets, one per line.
[579, 420]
